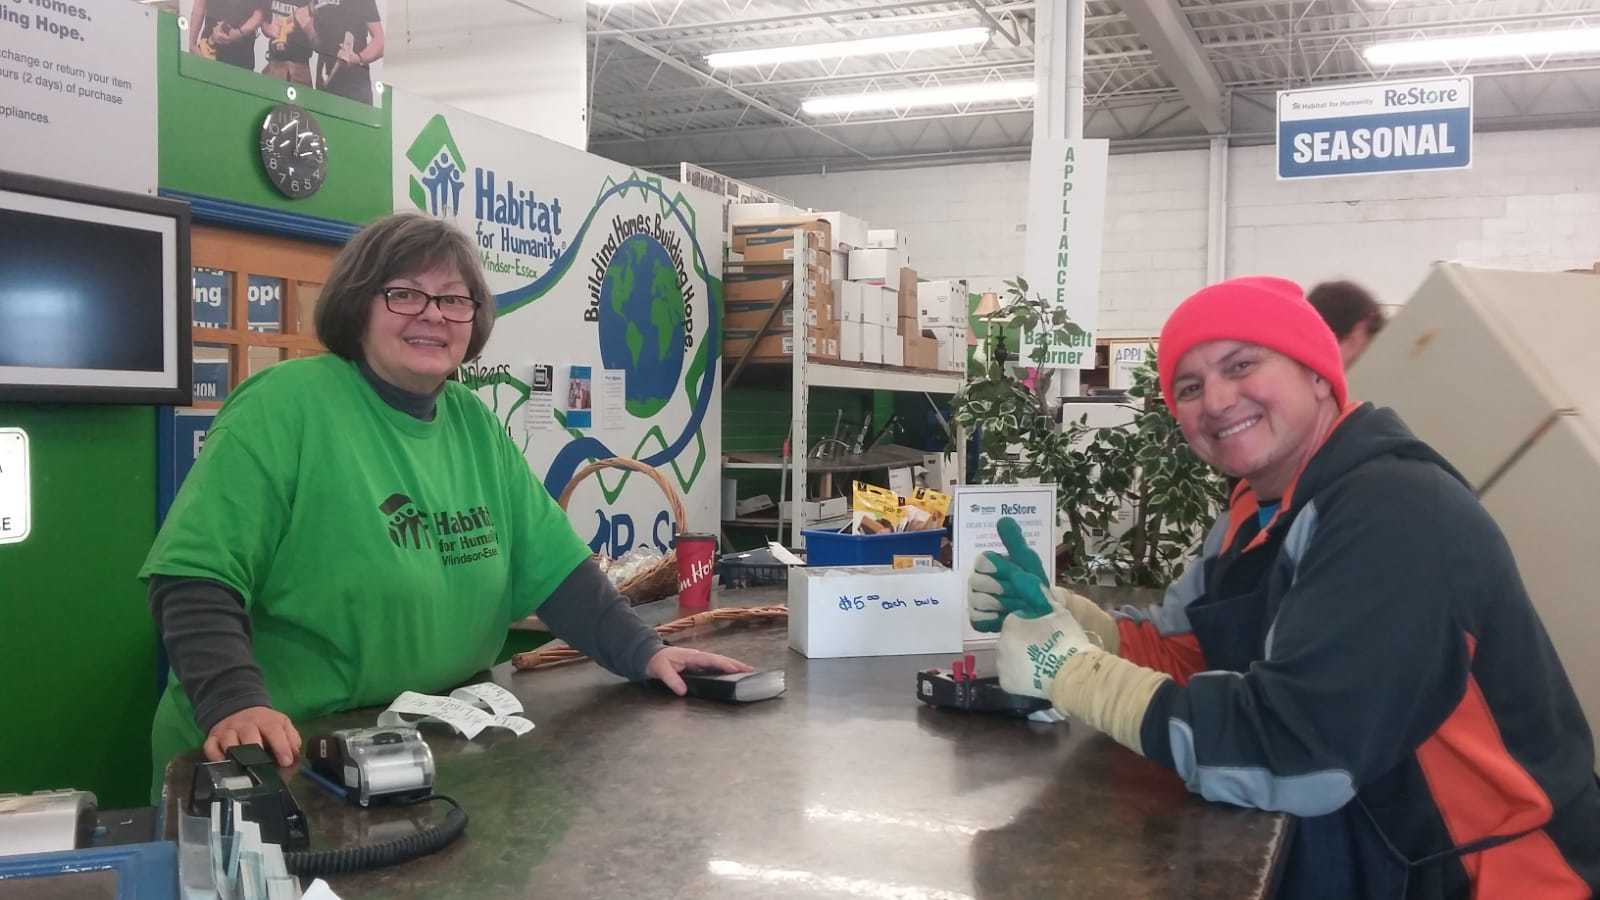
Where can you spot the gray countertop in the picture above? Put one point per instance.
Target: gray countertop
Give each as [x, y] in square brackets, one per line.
[845, 786]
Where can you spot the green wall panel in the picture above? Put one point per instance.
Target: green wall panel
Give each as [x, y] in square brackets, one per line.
[210, 120]
[77, 647]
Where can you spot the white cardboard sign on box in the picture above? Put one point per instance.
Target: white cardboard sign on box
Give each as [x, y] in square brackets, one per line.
[16, 504]
[978, 508]
[875, 611]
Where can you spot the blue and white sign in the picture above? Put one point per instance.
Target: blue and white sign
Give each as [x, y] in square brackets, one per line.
[1393, 126]
[180, 435]
[211, 379]
[266, 303]
[213, 297]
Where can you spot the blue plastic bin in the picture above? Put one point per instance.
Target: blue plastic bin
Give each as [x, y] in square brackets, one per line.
[832, 548]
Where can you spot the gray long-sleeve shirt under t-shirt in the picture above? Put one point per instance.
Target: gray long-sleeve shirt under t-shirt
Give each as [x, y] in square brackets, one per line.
[206, 628]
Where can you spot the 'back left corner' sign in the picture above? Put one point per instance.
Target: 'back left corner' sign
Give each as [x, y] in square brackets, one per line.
[1392, 126]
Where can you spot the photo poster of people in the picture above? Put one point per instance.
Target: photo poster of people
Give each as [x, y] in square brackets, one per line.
[330, 45]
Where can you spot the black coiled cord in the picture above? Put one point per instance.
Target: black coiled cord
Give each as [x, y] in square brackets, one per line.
[316, 863]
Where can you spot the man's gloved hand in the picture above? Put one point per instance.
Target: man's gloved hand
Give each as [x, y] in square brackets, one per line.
[1015, 582]
[1033, 650]
[1053, 658]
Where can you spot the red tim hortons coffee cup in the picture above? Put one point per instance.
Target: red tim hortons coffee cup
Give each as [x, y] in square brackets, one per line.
[697, 554]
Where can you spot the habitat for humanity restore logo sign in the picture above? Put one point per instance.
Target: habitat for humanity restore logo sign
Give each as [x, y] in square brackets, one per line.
[512, 225]
[628, 273]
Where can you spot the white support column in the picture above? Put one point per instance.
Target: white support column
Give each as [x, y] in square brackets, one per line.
[1058, 101]
[1217, 213]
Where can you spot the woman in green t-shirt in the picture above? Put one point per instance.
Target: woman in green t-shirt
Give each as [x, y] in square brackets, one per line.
[357, 526]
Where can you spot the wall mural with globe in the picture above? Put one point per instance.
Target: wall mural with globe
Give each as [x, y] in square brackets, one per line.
[594, 265]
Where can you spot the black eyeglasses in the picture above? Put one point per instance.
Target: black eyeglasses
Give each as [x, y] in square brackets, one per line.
[404, 301]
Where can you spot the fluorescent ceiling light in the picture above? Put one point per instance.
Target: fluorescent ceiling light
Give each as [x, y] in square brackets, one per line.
[893, 43]
[951, 95]
[1535, 44]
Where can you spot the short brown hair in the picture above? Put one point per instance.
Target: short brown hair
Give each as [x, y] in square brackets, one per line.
[396, 246]
[1345, 305]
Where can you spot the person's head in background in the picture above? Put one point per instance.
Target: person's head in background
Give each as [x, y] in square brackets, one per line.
[1350, 311]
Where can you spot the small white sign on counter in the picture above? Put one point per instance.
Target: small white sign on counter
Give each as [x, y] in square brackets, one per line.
[16, 504]
[978, 509]
[875, 611]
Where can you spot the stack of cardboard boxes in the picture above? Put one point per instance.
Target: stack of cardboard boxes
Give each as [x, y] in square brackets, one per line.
[863, 302]
[760, 273]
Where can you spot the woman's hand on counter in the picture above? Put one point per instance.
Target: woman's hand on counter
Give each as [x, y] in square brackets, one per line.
[259, 725]
[669, 661]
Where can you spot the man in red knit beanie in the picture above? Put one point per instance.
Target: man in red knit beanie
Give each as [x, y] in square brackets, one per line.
[1353, 646]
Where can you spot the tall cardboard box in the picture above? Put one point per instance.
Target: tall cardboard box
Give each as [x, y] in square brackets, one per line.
[871, 305]
[906, 296]
[1500, 372]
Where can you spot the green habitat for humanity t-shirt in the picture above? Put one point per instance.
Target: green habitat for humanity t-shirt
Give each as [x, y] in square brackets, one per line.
[375, 552]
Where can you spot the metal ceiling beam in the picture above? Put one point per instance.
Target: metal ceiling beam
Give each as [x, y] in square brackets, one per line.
[602, 118]
[1165, 30]
[1014, 35]
[809, 16]
[679, 65]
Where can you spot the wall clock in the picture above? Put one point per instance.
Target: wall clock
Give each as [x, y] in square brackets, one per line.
[293, 151]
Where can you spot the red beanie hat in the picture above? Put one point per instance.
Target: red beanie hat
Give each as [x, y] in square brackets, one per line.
[1257, 309]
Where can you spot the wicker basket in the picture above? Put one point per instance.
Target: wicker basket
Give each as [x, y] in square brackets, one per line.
[661, 579]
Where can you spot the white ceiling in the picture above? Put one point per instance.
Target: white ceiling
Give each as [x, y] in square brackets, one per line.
[1157, 73]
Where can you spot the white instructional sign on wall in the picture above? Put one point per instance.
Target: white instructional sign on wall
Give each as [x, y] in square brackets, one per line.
[978, 509]
[79, 68]
[16, 505]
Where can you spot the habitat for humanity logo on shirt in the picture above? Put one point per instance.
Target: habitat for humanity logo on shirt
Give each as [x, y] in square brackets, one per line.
[463, 537]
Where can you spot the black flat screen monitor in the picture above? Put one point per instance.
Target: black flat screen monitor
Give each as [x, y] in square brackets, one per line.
[94, 295]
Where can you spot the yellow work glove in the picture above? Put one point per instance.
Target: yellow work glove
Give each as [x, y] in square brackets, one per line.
[1052, 657]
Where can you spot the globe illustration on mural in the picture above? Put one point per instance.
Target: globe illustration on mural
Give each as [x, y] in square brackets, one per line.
[641, 323]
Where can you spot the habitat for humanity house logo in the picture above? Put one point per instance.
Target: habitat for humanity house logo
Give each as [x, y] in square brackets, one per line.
[436, 183]
[514, 227]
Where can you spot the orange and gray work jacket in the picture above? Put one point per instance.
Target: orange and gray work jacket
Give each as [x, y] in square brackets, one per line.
[1368, 661]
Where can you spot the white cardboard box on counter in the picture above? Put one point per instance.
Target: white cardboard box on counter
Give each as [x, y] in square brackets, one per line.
[875, 611]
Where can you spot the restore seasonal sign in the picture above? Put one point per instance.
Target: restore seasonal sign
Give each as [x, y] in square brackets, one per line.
[1393, 126]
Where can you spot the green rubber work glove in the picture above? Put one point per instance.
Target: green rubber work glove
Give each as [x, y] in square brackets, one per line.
[1010, 582]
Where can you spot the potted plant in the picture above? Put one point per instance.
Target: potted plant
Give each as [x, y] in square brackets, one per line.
[1143, 468]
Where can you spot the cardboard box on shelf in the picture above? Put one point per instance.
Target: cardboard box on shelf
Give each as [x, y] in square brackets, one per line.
[918, 610]
[776, 347]
[1497, 371]
[889, 307]
[744, 316]
[921, 352]
[840, 261]
[871, 303]
[906, 296]
[815, 510]
[746, 213]
[878, 266]
[894, 348]
[850, 340]
[941, 303]
[849, 232]
[757, 284]
[848, 300]
[774, 242]
[871, 343]
[887, 239]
